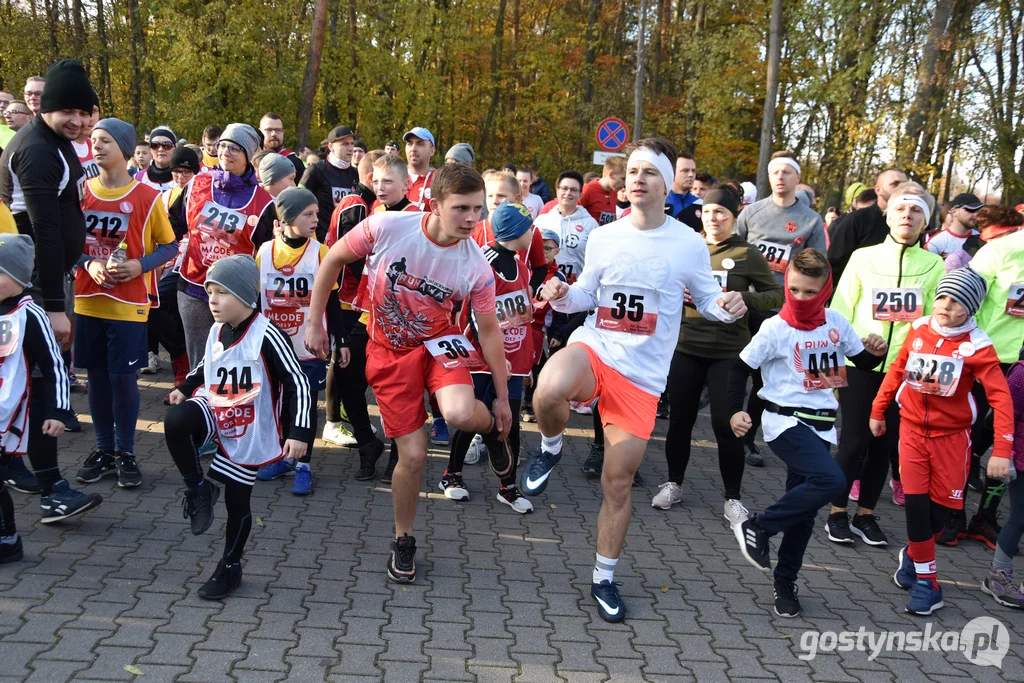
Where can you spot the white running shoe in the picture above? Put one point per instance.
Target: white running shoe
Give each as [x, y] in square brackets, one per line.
[515, 500]
[669, 494]
[735, 513]
[473, 454]
[153, 366]
[581, 408]
[340, 435]
[453, 486]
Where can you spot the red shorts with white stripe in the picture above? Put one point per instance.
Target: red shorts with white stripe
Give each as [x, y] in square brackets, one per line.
[936, 465]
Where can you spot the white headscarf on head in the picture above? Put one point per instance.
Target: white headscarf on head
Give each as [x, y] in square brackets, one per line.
[656, 159]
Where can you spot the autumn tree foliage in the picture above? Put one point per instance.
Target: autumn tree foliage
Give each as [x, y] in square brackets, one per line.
[931, 84]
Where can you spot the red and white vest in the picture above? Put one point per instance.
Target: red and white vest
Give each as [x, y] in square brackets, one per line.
[239, 394]
[215, 231]
[286, 292]
[514, 310]
[107, 224]
[15, 380]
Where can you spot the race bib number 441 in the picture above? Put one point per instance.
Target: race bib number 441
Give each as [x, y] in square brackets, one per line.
[896, 304]
[822, 368]
[454, 351]
[1015, 300]
[776, 255]
[632, 310]
[933, 374]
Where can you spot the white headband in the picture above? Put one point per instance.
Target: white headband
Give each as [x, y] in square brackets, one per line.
[785, 161]
[656, 159]
[916, 201]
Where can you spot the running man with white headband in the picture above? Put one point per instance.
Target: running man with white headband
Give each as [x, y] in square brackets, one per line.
[780, 227]
[883, 290]
[635, 273]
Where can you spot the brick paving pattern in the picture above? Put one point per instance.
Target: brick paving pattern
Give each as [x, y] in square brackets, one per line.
[500, 597]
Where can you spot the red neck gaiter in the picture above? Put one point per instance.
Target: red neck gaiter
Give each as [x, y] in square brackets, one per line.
[805, 314]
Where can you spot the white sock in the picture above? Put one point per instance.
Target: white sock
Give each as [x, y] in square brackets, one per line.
[302, 466]
[604, 569]
[9, 540]
[332, 425]
[552, 444]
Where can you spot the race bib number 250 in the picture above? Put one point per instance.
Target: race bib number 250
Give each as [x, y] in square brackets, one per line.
[897, 304]
[632, 310]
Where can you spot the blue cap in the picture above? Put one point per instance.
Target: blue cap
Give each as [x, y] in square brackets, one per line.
[551, 235]
[421, 133]
[510, 221]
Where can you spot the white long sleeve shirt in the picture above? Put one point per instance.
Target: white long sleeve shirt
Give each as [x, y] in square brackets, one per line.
[633, 280]
[573, 232]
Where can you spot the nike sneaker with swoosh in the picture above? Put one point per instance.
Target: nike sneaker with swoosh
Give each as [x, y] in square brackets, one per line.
[609, 603]
[538, 471]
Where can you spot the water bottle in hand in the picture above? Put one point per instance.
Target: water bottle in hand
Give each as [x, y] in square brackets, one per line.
[119, 255]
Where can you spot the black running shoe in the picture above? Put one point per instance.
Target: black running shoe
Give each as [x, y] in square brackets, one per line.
[662, 413]
[453, 486]
[753, 544]
[609, 602]
[20, 478]
[226, 578]
[637, 479]
[11, 552]
[594, 463]
[368, 456]
[983, 527]
[838, 528]
[389, 471]
[786, 603]
[64, 502]
[528, 414]
[866, 526]
[98, 464]
[500, 456]
[753, 455]
[197, 505]
[402, 562]
[955, 529]
[128, 473]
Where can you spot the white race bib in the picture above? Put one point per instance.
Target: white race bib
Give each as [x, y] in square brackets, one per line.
[104, 231]
[1015, 300]
[776, 255]
[513, 310]
[215, 218]
[822, 369]
[633, 310]
[929, 373]
[897, 304]
[453, 351]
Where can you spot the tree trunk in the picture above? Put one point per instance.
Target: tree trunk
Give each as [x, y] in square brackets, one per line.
[638, 84]
[105, 94]
[312, 75]
[353, 54]
[135, 29]
[659, 46]
[497, 46]
[79, 35]
[52, 17]
[926, 82]
[589, 55]
[770, 95]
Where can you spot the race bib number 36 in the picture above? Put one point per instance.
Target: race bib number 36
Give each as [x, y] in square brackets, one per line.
[932, 374]
[628, 309]
[822, 368]
[897, 304]
[776, 255]
[454, 351]
[1015, 301]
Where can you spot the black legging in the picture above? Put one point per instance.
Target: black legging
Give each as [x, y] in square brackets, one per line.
[686, 379]
[483, 389]
[42, 449]
[185, 428]
[164, 325]
[861, 455]
[925, 517]
[7, 526]
[347, 386]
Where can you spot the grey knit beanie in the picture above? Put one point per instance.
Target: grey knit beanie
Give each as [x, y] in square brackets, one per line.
[293, 201]
[238, 274]
[17, 257]
[243, 135]
[123, 134]
[274, 167]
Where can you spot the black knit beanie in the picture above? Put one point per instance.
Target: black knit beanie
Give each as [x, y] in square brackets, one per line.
[67, 87]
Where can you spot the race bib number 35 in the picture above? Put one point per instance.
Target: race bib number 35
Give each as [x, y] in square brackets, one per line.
[932, 374]
[628, 309]
[1015, 301]
[822, 369]
[454, 351]
[897, 304]
[776, 255]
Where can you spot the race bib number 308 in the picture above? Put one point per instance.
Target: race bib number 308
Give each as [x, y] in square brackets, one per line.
[1015, 300]
[897, 304]
[513, 310]
[776, 255]
[933, 374]
[632, 310]
[454, 351]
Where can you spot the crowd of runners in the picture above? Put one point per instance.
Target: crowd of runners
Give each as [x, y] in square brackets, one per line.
[891, 328]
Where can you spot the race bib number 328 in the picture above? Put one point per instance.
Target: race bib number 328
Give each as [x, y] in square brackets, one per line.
[632, 310]
[933, 374]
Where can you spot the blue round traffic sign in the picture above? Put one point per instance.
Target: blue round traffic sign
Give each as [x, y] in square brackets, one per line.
[612, 134]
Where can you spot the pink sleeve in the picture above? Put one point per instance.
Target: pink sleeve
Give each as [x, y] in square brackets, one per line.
[482, 294]
[361, 239]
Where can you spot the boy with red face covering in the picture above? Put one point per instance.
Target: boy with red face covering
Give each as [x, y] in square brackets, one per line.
[801, 354]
